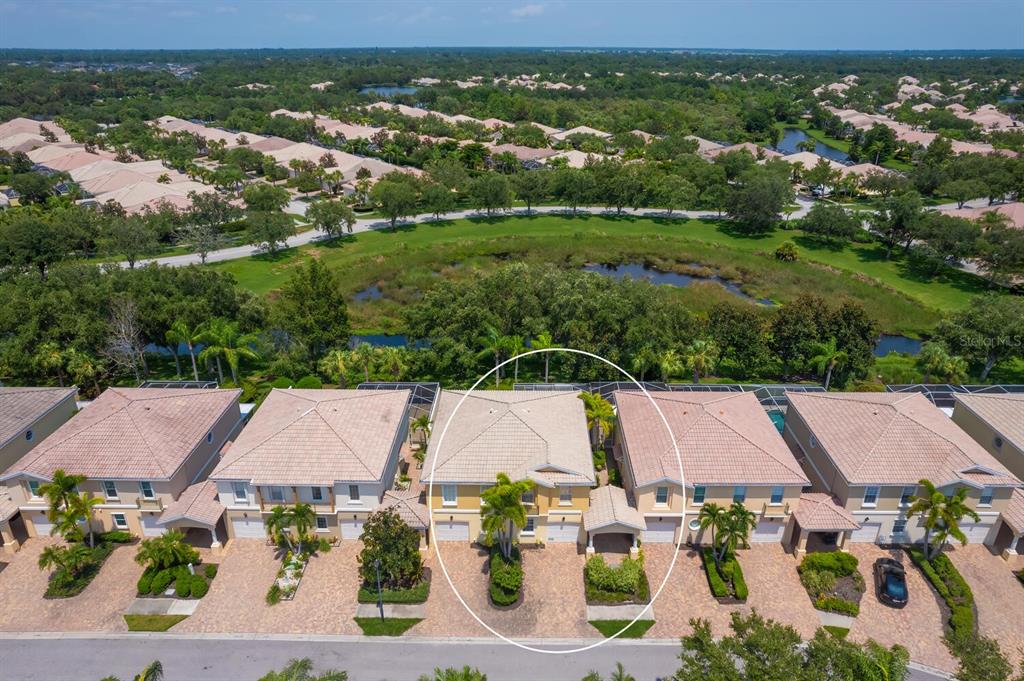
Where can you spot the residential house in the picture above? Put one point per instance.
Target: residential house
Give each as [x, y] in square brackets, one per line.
[538, 435]
[730, 452]
[336, 450]
[139, 449]
[870, 450]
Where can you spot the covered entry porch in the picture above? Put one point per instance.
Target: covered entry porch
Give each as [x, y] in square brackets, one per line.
[12, 529]
[1009, 537]
[612, 524]
[821, 524]
[198, 509]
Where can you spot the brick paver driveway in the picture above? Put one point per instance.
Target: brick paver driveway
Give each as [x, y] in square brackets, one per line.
[324, 604]
[918, 627]
[98, 608]
[553, 604]
[998, 595]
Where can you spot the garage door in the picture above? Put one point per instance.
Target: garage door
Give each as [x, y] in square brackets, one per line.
[561, 532]
[42, 524]
[149, 526]
[768, 530]
[352, 528]
[248, 528]
[975, 532]
[451, 530]
[659, 532]
[868, 532]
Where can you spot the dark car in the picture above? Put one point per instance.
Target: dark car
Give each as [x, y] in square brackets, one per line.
[891, 582]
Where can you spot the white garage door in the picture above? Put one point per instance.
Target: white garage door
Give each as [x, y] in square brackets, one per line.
[659, 532]
[149, 526]
[42, 524]
[248, 528]
[561, 532]
[451, 530]
[352, 528]
[975, 532]
[768, 530]
[868, 532]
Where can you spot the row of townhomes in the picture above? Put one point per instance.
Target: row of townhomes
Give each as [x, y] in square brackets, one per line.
[838, 468]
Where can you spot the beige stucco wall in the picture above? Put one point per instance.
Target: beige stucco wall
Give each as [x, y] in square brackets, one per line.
[1009, 455]
[41, 428]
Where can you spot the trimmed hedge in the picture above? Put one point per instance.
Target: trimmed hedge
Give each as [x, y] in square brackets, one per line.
[416, 594]
[506, 578]
[727, 581]
[183, 587]
[839, 563]
[837, 604]
[210, 570]
[117, 537]
[309, 383]
[145, 583]
[625, 582]
[954, 590]
[161, 580]
[719, 588]
[739, 585]
[199, 587]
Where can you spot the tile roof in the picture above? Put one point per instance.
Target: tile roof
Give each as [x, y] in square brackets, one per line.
[198, 503]
[538, 434]
[317, 437]
[21, 407]
[723, 438]
[818, 512]
[1013, 514]
[410, 508]
[130, 433]
[609, 506]
[895, 438]
[8, 507]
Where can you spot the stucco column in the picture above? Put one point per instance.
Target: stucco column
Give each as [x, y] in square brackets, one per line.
[801, 544]
[590, 544]
[1009, 553]
[634, 550]
[215, 545]
[842, 540]
[10, 543]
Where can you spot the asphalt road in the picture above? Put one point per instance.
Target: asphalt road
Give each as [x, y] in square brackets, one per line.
[86, 657]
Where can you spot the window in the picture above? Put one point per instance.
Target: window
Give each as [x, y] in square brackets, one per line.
[277, 494]
[110, 489]
[321, 523]
[986, 497]
[209, 437]
[870, 496]
[353, 494]
[120, 522]
[29, 435]
[33, 488]
[318, 494]
[813, 442]
[529, 497]
[530, 526]
[777, 495]
[998, 441]
[565, 496]
[146, 488]
[661, 496]
[694, 524]
[449, 496]
[241, 493]
[698, 494]
[906, 494]
[899, 527]
[739, 494]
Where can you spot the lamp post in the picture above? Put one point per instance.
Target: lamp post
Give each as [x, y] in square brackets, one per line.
[380, 595]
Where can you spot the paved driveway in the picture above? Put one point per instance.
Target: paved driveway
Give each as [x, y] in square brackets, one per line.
[918, 627]
[324, 603]
[998, 595]
[98, 608]
[553, 604]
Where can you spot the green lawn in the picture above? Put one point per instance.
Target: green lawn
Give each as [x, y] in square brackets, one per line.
[611, 627]
[838, 632]
[841, 145]
[392, 626]
[152, 622]
[405, 262]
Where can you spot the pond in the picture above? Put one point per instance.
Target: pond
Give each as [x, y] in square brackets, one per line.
[899, 344]
[388, 90]
[383, 340]
[368, 293]
[639, 271]
[794, 136]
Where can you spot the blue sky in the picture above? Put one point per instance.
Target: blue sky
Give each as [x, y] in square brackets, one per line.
[766, 24]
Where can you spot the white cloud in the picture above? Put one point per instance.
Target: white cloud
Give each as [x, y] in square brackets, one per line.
[531, 10]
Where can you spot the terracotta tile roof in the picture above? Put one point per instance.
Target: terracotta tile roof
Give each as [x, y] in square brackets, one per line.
[130, 433]
[409, 506]
[21, 407]
[199, 503]
[818, 512]
[317, 437]
[539, 434]
[724, 439]
[895, 438]
[8, 507]
[609, 506]
[1013, 514]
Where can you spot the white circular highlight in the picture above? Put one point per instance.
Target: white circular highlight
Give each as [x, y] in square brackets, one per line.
[430, 508]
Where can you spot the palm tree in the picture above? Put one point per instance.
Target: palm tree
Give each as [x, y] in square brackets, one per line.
[179, 333]
[642, 361]
[618, 675]
[154, 671]
[467, 673]
[303, 517]
[600, 415]
[302, 670]
[940, 515]
[58, 492]
[278, 523]
[543, 341]
[83, 506]
[826, 358]
[83, 368]
[735, 528]
[669, 364]
[935, 361]
[493, 343]
[393, 361]
[710, 516]
[422, 424]
[49, 356]
[167, 550]
[364, 355]
[223, 339]
[71, 559]
[701, 357]
[334, 365]
[504, 511]
[515, 346]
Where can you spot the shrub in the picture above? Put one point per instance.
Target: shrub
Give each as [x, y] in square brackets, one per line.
[506, 578]
[389, 539]
[117, 537]
[836, 604]
[625, 578]
[309, 383]
[817, 583]
[282, 382]
[210, 571]
[786, 252]
[183, 586]
[600, 459]
[718, 586]
[273, 594]
[417, 594]
[838, 563]
[199, 587]
[161, 580]
[951, 586]
[145, 582]
[739, 585]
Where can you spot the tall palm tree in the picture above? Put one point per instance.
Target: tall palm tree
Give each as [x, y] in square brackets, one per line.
[669, 364]
[701, 357]
[83, 506]
[422, 424]
[515, 345]
[302, 670]
[504, 511]
[492, 344]
[618, 675]
[334, 365]
[643, 360]
[278, 524]
[544, 341]
[303, 518]
[393, 361]
[940, 515]
[364, 355]
[826, 358]
[58, 492]
[735, 528]
[154, 671]
[180, 332]
[223, 339]
[467, 673]
[600, 415]
[710, 516]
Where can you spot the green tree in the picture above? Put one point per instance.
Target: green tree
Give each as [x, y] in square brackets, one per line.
[58, 492]
[980, 659]
[131, 237]
[491, 192]
[467, 673]
[703, 658]
[1000, 248]
[30, 239]
[600, 415]
[734, 529]
[365, 355]
[701, 358]
[180, 332]
[711, 517]
[332, 218]
[530, 187]
[265, 198]
[334, 365]
[757, 201]
[303, 519]
[962, 191]
[940, 516]
[826, 358]
[302, 670]
[269, 231]
[312, 309]
[222, 339]
[437, 199]
[278, 524]
[492, 344]
[987, 331]
[83, 505]
[670, 364]
[935, 362]
[70, 559]
[396, 199]
[573, 187]
[166, 551]
[544, 341]
[897, 220]
[618, 675]
[387, 539]
[504, 512]
[831, 223]
[422, 424]
[673, 191]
